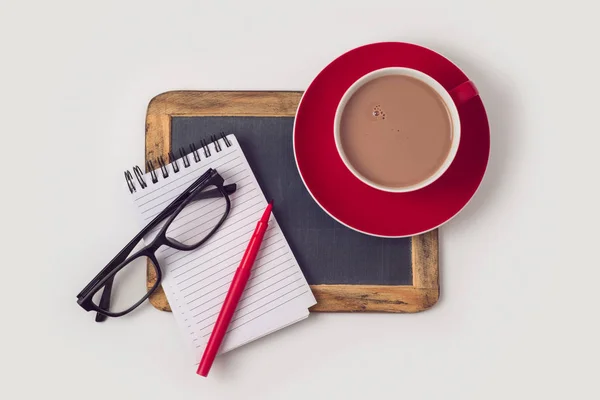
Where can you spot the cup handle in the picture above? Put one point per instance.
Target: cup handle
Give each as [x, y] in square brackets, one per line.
[463, 93]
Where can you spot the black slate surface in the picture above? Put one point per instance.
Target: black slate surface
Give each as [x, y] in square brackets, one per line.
[327, 251]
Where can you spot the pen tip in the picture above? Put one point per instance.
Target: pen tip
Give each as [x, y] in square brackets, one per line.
[271, 202]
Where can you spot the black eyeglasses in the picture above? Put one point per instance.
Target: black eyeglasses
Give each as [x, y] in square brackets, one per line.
[209, 195]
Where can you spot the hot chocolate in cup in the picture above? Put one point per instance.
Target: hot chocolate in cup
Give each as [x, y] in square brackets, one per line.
[398, 129]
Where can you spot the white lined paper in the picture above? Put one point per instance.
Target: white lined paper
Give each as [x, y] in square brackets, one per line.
[197, 282]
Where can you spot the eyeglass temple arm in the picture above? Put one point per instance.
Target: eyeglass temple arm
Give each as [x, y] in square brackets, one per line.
[119, 258]
[106, 292]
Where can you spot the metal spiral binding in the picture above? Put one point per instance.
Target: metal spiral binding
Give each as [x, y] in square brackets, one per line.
[163, 167]
[150, 167]
[184, 157]
[174, 162]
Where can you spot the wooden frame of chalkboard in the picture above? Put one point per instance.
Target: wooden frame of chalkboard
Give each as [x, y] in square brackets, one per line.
[421, 295]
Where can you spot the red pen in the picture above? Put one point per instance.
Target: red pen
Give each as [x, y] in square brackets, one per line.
[235, 292]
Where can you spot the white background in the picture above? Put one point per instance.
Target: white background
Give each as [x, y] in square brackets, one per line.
[518, 315]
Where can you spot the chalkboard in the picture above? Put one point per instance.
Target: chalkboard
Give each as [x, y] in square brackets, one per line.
[346, 270]
[327, 251]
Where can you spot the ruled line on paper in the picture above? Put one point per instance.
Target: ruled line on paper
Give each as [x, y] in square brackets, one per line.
[233, 242]
[253, 294]
[240, 315]
[182, 185]
[260, 315]
[234, 263]
[175, 177]
[228, 277]
[194, 169]
[183, 182]
[168, 201]
[201, 252]
[192, 209]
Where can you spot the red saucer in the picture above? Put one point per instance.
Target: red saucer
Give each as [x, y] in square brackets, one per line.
[358, 205]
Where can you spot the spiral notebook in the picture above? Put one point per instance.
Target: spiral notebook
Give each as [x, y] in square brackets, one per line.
[196, 282]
